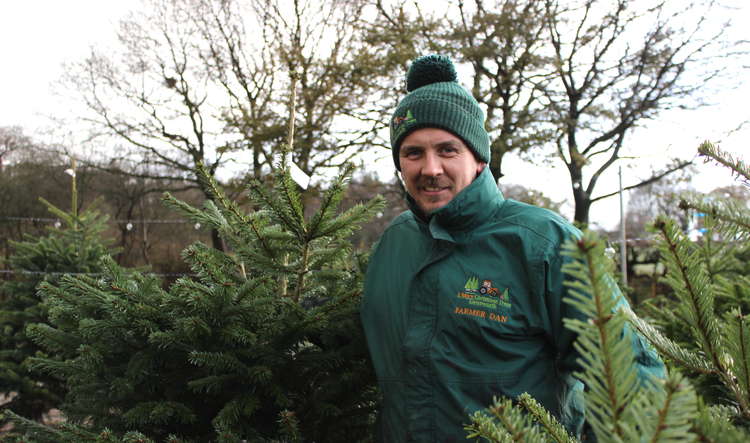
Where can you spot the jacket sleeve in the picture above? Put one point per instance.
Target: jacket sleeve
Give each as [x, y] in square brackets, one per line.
[647, 361]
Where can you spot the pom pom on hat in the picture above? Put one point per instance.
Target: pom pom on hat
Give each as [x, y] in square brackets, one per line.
[430, 69]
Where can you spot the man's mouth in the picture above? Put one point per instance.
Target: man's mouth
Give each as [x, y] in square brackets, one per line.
[433, 186]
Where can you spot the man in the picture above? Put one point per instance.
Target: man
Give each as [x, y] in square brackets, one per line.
[463, 295]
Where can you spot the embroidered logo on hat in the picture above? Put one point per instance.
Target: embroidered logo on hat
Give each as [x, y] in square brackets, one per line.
[408, 118]
[400, 124]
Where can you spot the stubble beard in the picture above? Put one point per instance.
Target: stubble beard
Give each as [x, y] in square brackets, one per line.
[433, 182]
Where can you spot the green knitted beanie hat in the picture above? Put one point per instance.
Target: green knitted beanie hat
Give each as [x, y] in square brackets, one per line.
[436, 100]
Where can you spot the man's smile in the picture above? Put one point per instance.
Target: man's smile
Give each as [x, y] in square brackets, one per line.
[434, 188]
[433, 185]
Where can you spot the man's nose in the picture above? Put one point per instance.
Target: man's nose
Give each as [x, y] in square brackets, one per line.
[432, 165]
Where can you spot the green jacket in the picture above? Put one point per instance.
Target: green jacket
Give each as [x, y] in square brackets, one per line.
[469, 306]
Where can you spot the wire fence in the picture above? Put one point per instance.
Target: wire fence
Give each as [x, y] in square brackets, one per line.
[93, 274]
[127, 222]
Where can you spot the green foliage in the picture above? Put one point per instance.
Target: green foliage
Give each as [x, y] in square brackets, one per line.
[737, 167]
[259, 343]
[702, 328]
[711, 287]
[619, 408]
[714, 424]
[509, 424]
[36, 432]
[706, 316]
[75, 247]
[607, 358]
[692, 285]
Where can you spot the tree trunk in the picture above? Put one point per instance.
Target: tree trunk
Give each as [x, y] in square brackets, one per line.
[582, 207]
[216, 241]
[496, 162]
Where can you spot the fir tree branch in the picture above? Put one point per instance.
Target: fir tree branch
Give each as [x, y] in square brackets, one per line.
[203, 260]
[606, 355]
[234, 209]
[668, 347]
[738, 343]
[218, 196]
[506, 424]
[350, 218]
[738, 166]
[728, 212]
[714, 426]
[719, 256]
[37, 432]
[540, 415]
[676, 411]
[511, 425]
[293, 201]
[690, 283]
[31, 428]
[303, 270]
[278, 208]
[289, 426]
[330, 201]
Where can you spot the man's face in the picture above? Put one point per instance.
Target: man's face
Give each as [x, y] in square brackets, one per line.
[436, 165]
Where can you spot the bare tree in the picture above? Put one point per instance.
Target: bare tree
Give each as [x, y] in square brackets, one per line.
[576, 76]
[645, 203]
[504, 44]
[12, 140]
[338, 102]
[531, 196]
[152, 98]
[205, 82]
[618, 64]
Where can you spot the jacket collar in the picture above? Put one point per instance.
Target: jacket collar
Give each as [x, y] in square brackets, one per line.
[468, 209]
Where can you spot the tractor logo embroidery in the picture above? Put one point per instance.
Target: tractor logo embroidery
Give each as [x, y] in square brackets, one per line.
[487, 289]
[485, 294]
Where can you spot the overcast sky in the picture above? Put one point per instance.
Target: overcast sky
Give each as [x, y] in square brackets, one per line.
[37, 36]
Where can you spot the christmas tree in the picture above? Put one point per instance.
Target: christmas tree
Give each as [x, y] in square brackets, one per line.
[73, 245]
[261, 342]
[715, 344]
[705, 318]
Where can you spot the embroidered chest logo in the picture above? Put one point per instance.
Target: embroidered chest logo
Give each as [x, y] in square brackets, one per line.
[484, 297]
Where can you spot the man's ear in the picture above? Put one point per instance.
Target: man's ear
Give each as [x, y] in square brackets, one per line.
[480, 167]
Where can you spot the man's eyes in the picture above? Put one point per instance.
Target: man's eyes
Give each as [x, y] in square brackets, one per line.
[448, 150]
